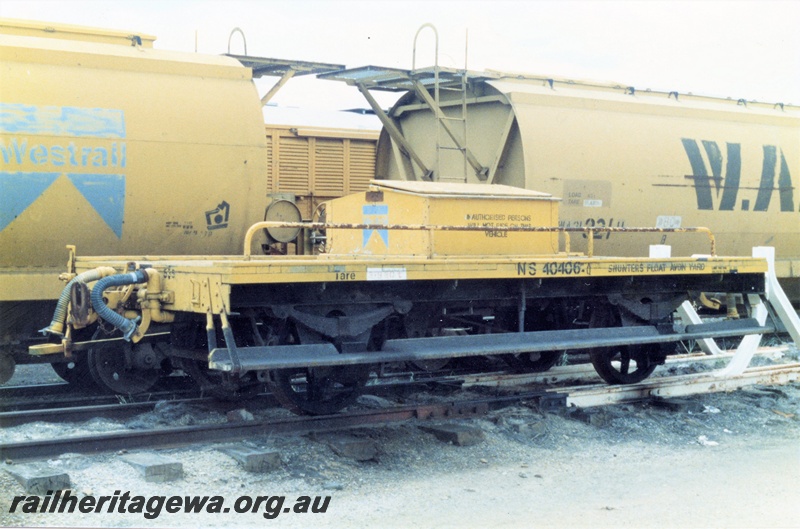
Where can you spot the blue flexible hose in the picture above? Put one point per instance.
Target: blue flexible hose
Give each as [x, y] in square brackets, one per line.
[128, 327]
[60, 313]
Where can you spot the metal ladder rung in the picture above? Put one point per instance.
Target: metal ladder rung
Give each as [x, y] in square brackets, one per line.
[452, 83]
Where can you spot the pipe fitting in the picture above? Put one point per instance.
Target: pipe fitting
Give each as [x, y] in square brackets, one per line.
[126, 326]
[153, 297]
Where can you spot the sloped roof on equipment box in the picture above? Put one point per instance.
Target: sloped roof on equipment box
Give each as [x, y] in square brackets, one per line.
[448, 189]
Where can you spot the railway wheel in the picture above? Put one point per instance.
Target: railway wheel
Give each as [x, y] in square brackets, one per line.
[622, 364]
[438, 364]
[550, 317]
[75, 371]
[626, 364]
[319, 390]
[110, 370]
[533, 362]
[221, 385]
[314, 390]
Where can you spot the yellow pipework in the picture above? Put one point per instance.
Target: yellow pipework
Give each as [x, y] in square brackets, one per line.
[150, 299]
[59, 317]
[154, 297]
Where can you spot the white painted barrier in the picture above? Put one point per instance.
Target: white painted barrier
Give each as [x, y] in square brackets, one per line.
[777, 299]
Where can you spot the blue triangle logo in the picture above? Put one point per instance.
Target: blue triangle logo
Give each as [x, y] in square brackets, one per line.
[106, 194]
[20, 190]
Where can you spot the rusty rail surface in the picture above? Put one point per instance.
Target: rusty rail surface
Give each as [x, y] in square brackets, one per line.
[83, 407]
[679, 386]
[589, 231]
[551, 398]
[63, 394]
[211, 433]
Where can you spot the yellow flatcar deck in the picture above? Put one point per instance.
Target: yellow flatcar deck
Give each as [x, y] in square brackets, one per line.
[187, 277]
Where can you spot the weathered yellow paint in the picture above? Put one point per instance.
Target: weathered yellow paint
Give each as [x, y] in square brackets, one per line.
[31, 28]
[616, 157]
[204, 284]
[29, 284]
[442, 204]
[189, 137]
[117, 147]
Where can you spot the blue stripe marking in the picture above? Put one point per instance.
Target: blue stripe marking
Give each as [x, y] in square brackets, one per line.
[375, 209]
[17, 118]
[106, 194]
[20, 190]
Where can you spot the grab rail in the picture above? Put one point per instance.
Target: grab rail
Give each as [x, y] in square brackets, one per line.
[589, 231]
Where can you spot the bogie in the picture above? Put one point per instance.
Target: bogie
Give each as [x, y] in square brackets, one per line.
[315, 390]
[622, 364]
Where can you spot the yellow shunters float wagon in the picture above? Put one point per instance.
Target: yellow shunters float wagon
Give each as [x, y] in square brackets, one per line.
[462, 280]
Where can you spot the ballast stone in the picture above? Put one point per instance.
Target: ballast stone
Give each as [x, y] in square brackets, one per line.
[374, 402]
[356, 448]
[239, 415]
[457, 434]
[676, 404]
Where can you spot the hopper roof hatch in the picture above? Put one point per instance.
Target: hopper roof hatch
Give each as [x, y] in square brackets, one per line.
[398, 80]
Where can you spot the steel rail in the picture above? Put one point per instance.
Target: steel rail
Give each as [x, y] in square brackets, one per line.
[582, 396]
[45, 396]
[83, 407]
[586, 372]
[679, 386]
[61, 388]
[79, 410]
[35, 390]
[83, 413]
[253, 358]
[87, 407]
[210, 433]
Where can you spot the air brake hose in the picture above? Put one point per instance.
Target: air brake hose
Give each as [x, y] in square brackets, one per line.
[60, 315]
[128, 327]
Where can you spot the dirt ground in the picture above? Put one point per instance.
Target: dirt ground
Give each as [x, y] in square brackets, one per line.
[721, 460]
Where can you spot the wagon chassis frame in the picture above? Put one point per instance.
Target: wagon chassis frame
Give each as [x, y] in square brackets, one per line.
[273, 319]
[223, 287]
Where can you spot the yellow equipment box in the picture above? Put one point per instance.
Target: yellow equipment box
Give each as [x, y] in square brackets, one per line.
[449, 206]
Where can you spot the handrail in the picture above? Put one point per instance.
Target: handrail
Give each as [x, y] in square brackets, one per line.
[244, 41]
[590, 231]
[436, 111]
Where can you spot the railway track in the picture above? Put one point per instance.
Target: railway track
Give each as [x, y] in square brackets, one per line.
[585, 372]
[80, 407]
[546, 398]
[67, 408]
[36, 390]
[92, 411]
[60, 395]
[177, 436]
[80, 400]
[73, 408]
